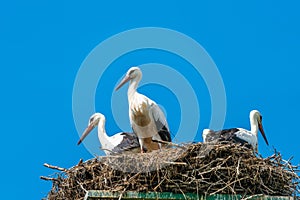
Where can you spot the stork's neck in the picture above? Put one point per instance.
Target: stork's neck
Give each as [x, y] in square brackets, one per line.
[132, 87]
[103, 137]
[254, 125]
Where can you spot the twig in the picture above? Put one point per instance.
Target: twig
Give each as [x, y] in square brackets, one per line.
[238, 166]
[55, 167]
[175, 163]
[227, 185]
[120, 197]
[158, 185]
[81, 186]
[168, 143]
[48, 178]
[133, 177]
[80, 162]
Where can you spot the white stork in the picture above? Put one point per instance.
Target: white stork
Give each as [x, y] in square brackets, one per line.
[239, 135]
[118, 143]
[147, 120]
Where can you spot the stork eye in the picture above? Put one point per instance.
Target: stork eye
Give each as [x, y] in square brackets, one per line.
[130, 72]
[260, 118]
[91, 119]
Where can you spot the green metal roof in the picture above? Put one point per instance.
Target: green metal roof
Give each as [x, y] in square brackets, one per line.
[130, 195]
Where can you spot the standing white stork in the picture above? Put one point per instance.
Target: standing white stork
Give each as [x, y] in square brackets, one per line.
[147, 120]
[239, 135]
[118, 143]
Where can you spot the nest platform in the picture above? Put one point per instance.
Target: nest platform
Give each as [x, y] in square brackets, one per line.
[198, 169]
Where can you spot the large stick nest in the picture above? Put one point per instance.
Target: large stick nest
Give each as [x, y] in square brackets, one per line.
[197, 168]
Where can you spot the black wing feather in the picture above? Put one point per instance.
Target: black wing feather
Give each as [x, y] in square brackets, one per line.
[130, 141]
[164, 134]
[226, 135]
[161, 123]
[222, 135]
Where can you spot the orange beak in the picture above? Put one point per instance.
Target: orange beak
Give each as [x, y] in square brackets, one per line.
[85, 133]
[124, 80]
[263, 132]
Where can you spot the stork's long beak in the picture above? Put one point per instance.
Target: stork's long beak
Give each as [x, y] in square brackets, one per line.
[263, 132]
[124, 80]
[85, 133]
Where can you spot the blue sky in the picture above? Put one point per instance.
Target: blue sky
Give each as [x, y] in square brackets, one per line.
[254, 44]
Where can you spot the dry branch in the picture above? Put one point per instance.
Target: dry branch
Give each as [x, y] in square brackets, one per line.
[45, 178]
[168, 143]
[55, 167]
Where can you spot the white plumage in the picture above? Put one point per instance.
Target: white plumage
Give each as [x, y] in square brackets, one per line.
[147, 120]
[118, 143]
[239, 135]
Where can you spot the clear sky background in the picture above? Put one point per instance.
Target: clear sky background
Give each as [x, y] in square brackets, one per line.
[255, 45]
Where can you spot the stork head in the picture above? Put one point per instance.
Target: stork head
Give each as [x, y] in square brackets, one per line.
[134, 73]
[255, 115]
[93, 122]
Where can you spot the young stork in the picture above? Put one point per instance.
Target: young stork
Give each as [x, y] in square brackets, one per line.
[147, 120]
[119, 143]
[239, 135]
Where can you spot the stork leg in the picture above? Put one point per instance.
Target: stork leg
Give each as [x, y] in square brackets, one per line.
[142, 144]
